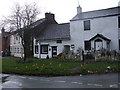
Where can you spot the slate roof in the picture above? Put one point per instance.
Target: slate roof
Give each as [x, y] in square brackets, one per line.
[101, 36]
[97, 13]
[38, 22]
[55, 31]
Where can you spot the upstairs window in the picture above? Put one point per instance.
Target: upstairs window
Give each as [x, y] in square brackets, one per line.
[44, 49]
[87, 45]
[87, 25]
[59, 41]
[119, 22]
[119, 44]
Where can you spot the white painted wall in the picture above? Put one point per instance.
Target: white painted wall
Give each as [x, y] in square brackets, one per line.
[107, 26]
[60, 47]
[16, 46]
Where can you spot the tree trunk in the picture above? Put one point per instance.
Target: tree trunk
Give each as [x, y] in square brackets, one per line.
[27, 42]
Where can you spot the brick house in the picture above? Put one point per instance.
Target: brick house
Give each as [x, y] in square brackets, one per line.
[4, 41]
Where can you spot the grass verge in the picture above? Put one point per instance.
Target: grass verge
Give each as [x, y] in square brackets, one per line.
[56, 67]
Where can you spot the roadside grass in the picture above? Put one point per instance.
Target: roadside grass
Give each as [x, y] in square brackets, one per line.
[55, 67]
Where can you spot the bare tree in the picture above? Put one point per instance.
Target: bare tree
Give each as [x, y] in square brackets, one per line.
[20, 21]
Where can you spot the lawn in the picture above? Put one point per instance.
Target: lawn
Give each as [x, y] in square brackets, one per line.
[55, 67]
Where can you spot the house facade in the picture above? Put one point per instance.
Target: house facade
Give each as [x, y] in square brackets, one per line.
[95, 30]
[16, 47]
[52, 41]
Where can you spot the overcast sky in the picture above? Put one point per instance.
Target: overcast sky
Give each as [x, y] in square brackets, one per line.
[64, 10]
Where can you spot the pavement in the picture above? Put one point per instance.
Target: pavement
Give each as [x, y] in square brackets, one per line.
[81, 81]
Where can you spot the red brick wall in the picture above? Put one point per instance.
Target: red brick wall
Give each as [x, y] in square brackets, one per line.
[4, 41]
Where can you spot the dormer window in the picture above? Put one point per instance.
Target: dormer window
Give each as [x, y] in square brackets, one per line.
[87, 25]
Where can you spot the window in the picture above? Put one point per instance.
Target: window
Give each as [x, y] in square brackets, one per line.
[119, 22]
[17, 50]
[36, 49]
[44, 49]
[14, 40]
[108, 45]
[119, 44]
[87, 25]
[18, 39]
[22, 50]
[59, 41]
[87, 45]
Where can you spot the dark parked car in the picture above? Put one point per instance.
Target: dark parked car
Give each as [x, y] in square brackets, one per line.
[5, 53]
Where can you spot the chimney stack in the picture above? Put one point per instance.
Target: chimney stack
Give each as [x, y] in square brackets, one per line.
[79, 10]
[49, 16]
[119, 3]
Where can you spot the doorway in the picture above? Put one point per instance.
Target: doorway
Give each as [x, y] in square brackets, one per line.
[98, 44]
[54, 51]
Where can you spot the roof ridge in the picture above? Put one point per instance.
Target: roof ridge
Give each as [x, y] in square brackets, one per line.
[63, 23]
[101, 9]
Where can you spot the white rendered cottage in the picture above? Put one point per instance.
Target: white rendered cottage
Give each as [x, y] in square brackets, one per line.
[52, 41]
[96, 29]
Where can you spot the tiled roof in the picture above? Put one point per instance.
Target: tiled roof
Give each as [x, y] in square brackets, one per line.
[97, 13]
[55, 31]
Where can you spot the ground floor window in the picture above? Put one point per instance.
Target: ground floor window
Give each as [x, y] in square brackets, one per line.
[36, 49]
[108, 45]
[44, 49]
[87, 45]
[66, 49]
[18, 50]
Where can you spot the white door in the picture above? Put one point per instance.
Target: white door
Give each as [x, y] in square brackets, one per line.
[98, 45]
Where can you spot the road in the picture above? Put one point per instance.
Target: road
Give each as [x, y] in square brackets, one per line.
[82, 81]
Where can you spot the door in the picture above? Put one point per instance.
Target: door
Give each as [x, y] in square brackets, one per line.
[98, 44]
[54, 51]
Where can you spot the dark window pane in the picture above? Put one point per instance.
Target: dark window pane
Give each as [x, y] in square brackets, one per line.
[59, 41]
[87, 25]
[87, 45]
[119, 44]
[118, 22]
[44, 49]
